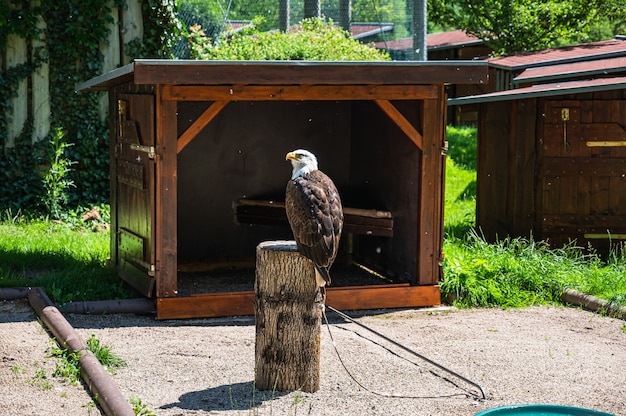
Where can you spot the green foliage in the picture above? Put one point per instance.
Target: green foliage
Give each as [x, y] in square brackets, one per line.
[315, 40]
[74, 32]
[462, 146]
[511, 26]
[162, 30]
[55, 180]
[67, 362]
[139, 408]
[21, 172]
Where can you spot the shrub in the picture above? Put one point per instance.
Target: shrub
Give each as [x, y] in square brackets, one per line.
[314, 39]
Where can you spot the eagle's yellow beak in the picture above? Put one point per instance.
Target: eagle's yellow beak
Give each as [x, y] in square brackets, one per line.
[291, 156]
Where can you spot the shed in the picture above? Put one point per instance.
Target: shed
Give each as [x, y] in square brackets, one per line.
[198, 173]
[552, 162]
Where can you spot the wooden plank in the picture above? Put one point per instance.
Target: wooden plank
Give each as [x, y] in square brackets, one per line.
[429, 240]
[491, 190]
[560, 166]
[166, 198]
[603, 131]
[575, 220]
[401, 122]
[196, 72]
[206, 306]
[521, 170]
[357, 221]
[298, 92]
[201, 122]
[17, 54]
[343, 298]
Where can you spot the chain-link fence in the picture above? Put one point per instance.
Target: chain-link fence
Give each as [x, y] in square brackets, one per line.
[378, 21]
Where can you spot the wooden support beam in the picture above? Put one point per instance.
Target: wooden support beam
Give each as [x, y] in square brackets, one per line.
[200, 123]
[212, 305]
[401, 122]
[166, 205]
[298, 92]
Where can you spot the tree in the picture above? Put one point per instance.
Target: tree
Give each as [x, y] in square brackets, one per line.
[511, 26]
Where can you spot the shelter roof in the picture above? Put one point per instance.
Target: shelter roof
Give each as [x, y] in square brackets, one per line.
[434, 41]
[197, 72]
[576, 69]
[575, 53]
[544, 90]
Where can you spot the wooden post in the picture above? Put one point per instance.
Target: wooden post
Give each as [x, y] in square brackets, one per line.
[288, 320]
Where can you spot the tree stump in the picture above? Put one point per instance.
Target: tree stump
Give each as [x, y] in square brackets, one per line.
[288, 319]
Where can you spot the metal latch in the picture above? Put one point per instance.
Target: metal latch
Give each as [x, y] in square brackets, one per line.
[144, 149]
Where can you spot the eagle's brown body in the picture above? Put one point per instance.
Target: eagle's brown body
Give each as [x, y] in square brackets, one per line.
[315, 214]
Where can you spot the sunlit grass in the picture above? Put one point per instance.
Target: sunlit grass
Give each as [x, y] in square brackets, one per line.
[68, 262]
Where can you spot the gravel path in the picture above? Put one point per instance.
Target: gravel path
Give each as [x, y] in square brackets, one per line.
[206, 366]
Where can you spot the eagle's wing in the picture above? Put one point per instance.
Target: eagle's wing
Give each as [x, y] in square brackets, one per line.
[315, 214]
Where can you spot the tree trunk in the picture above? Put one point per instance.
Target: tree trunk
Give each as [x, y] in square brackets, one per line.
[288, 320]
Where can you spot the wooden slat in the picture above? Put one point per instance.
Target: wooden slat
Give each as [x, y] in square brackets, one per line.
[561, 166]
[357, 221]
[200, 123]
[343, 298]
[401, 122]
[603, 132]
[297, 92]
[575, 220]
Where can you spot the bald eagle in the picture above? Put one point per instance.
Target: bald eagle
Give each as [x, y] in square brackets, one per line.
[314, 212]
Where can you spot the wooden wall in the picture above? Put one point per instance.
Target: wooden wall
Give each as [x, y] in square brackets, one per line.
[33, 93]
[554, 168]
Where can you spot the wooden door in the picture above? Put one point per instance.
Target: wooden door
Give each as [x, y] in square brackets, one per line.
[134, 191]
[582, 176]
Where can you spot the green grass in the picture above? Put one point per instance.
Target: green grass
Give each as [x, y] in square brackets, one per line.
[68, 262]
[514, 272]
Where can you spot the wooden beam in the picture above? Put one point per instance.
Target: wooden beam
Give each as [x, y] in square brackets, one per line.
[212, 305]
[429, 238]
[298, 92]
[401, 122]
[200, 123]
[166, 205]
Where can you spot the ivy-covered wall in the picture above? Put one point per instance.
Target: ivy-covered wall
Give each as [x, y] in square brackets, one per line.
[69, 37]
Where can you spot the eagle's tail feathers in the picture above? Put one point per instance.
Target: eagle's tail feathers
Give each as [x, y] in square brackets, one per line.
[322, 277]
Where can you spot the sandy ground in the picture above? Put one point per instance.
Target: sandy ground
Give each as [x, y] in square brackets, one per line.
[206, 366]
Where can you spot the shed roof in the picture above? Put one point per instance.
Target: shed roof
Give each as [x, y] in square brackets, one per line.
[575, 53]
[361, 30]
[577, 69]
[195, 72]
[545, 90]
[434, 41]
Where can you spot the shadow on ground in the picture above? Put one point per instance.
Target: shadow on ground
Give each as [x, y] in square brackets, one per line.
[238, 396]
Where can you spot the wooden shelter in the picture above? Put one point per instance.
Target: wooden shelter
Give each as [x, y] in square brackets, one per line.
[552, 161]
[198, 171]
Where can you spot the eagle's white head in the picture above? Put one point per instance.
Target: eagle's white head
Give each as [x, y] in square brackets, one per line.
[302, 161]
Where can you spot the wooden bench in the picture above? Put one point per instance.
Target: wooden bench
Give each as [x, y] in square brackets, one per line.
[355, 220]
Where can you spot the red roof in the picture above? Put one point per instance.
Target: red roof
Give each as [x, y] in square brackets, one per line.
[439, 40]
[568, 54]
[359, 30]
[577, 69]
[450, 39]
